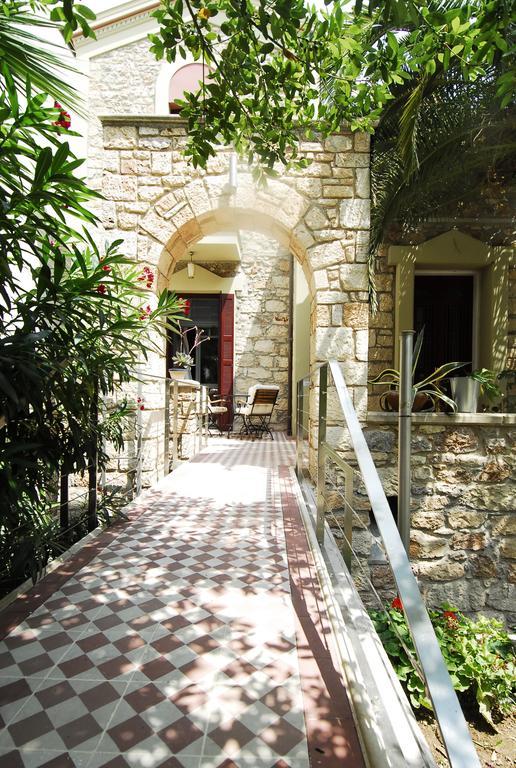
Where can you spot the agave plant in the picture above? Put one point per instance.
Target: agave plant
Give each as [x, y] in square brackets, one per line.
[430, 386]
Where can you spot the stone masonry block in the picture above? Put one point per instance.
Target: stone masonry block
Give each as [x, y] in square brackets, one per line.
[356, 315]
[316, 218]
[156, 226]
[353, 277]
[161, 163]
[120, 137]
[362, 345]
[352, 160]
[355, 214]
[320, 278]
[338, 191]
[334, 343]
[115, 187]
[362, 185]
[362, 142]
[326, 255]
[338, 143]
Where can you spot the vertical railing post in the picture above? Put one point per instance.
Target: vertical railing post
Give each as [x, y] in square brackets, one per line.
[175, 405]
[321, 453]
[299, 430]
[64, 506]
[207, 417]
[92, 454]
[404, 436]
[166, 446]
[139, 452]
[348, 516]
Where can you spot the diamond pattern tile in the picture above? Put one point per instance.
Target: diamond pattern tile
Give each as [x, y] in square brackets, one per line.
[174, 643]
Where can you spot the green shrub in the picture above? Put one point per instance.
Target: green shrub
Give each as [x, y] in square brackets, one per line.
[478, 654]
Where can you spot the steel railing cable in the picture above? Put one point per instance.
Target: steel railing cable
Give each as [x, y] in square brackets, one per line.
[430, 664]
[331, 515]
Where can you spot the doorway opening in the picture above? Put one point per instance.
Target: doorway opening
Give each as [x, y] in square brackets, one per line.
[213, 359]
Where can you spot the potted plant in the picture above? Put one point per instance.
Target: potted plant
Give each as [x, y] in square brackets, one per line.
[425, 393]
[467, 389]
[183, 359]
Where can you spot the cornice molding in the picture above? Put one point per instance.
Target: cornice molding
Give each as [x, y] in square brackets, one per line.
[132, 120]
[108, 23]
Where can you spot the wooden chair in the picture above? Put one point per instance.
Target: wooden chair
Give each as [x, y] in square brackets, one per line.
[257, 411]
[216, 407]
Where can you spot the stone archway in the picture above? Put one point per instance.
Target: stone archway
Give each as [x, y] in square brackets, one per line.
[320, 213]
[337, 281]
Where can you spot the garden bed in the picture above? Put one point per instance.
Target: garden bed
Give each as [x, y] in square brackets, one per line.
[496, 748]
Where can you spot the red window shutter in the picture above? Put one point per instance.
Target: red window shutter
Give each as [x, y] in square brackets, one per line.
[227, 326]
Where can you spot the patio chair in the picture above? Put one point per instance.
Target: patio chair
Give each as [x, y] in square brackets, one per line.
[216, 407]
[257, 410]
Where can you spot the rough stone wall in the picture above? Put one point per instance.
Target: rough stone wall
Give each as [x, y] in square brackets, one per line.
[122, 82]
[463, 514]
[511, 339]
[160, 206]
[261, 319]
[381, 326]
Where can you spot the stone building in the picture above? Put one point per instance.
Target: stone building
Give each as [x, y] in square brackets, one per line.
[279, 276]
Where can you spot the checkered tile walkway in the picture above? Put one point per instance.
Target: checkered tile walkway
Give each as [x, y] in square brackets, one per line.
[193, 635]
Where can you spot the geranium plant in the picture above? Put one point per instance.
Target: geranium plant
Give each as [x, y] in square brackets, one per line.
[478, 654]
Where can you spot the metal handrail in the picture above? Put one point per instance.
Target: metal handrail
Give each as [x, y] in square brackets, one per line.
[450, 719]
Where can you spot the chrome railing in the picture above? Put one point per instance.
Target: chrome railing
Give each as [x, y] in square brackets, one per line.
[350, 456]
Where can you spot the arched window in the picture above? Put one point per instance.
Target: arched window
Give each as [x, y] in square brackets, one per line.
[187, 79]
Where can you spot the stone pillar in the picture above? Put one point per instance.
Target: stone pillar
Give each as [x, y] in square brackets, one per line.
[185, 412]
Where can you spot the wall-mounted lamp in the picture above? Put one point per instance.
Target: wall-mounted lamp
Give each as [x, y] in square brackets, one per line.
[190, 267]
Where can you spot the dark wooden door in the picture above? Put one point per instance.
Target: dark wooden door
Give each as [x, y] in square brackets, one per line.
[443, 304]
[226, 344]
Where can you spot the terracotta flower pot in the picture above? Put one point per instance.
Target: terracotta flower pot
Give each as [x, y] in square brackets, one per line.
[390, 401]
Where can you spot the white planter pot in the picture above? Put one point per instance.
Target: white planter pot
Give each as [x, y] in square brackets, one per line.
[465, 391]
[179, 374]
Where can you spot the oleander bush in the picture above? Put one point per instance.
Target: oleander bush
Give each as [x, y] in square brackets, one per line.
[77, 316]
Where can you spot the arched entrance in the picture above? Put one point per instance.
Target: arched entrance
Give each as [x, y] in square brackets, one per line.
[319, 215]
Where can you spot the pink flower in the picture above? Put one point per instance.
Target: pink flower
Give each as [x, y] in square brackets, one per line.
[147, 277]
[64, 120]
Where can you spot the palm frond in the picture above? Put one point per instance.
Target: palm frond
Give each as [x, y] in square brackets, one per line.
[30, 58]
[461, 136]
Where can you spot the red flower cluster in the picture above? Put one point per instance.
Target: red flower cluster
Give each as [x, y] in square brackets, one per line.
[101, 288]
[106, 268]
[64, 120]
[397, 604]
[140, 403]
[451, 618]
[187, 304]
[146, 312]
[147, 277]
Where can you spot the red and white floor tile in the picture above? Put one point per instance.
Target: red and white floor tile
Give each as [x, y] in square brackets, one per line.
[193, 635]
